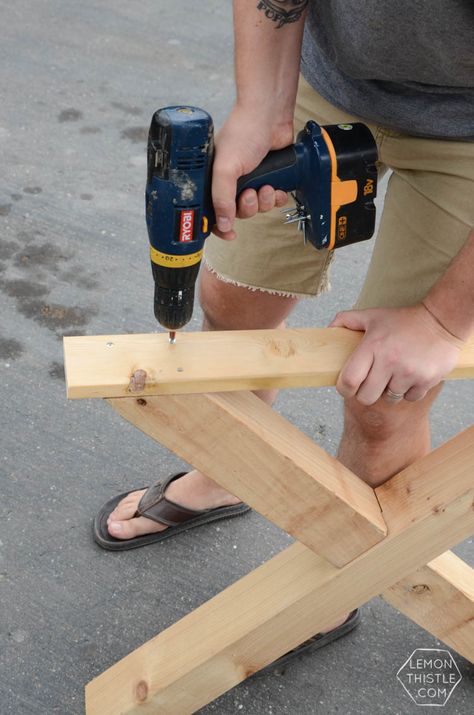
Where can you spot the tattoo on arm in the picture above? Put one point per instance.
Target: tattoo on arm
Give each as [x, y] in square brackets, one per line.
[283, 11]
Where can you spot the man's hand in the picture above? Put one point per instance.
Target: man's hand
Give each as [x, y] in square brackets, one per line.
[267, 63]
[241, 145]
[404, 350]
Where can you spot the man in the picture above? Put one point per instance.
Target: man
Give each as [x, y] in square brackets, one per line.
[405, 69]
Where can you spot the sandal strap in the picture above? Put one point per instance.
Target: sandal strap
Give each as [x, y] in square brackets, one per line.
[154, 505]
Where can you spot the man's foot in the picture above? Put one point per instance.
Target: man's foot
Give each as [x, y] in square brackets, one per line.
[193, 490]
[321, 639]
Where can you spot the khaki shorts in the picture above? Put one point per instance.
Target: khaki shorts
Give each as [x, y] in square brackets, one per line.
[427, 215]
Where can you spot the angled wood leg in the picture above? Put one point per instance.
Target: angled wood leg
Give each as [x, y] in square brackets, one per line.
[292, 596]
[246, 447]
[440, 598]
[299, 487]
[389, 540]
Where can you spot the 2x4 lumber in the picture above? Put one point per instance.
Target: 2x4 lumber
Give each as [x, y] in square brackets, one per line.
[103, 365]
[250, 450]
[291, 597]
[440, 598]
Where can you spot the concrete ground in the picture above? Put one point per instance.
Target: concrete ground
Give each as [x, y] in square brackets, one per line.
[79, 84]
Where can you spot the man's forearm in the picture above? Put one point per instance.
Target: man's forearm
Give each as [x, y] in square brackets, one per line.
[268, 37]
[451, 300]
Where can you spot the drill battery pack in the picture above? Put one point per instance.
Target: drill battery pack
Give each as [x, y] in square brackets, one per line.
[353, 156]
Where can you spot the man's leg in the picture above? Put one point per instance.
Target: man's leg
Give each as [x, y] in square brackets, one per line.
[381, 440]
[226, 307]
[426, 219]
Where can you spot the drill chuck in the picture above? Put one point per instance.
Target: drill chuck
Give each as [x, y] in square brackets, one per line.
[174, 295]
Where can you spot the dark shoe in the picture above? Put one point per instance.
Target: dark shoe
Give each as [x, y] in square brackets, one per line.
[154, 505]
[312, 644]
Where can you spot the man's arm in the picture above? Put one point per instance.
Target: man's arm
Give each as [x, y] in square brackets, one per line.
[411, 350]
[451, 300]
[268, 35]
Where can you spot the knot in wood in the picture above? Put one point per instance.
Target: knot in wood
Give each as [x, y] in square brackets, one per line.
[420, 588]
[281, 348]
[141, 691]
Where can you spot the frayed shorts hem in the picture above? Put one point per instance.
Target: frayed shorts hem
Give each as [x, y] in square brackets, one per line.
[323, 287]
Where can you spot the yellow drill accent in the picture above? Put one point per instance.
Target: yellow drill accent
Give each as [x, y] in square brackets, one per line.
[170, 261]
[342, 192]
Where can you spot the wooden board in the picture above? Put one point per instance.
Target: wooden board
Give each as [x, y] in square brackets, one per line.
[440, 598]
[103, 365]
[291, 597]
[250, 450]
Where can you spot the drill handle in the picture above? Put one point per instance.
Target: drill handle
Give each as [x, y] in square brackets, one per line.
[278, 169]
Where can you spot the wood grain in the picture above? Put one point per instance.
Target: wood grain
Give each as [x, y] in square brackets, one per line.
[242, 444]
[291, 597]
[103, 365]
[440, 598]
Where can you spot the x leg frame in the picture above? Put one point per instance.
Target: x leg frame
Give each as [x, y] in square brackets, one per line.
[352, 542]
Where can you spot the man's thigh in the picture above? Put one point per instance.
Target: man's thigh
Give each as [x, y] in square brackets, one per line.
[427, 216]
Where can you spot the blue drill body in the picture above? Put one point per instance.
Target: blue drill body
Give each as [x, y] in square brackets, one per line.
[180, 152]
[330, 171]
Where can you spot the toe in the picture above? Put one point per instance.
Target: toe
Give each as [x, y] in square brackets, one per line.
[126, 508]
[130, 528]
[122, 523]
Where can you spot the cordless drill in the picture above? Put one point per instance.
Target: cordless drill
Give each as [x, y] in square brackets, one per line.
[330, 171]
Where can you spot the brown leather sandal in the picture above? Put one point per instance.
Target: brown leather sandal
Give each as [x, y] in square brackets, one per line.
[154, 505]
[312, 644]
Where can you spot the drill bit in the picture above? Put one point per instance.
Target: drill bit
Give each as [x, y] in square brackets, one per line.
[172, 337]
